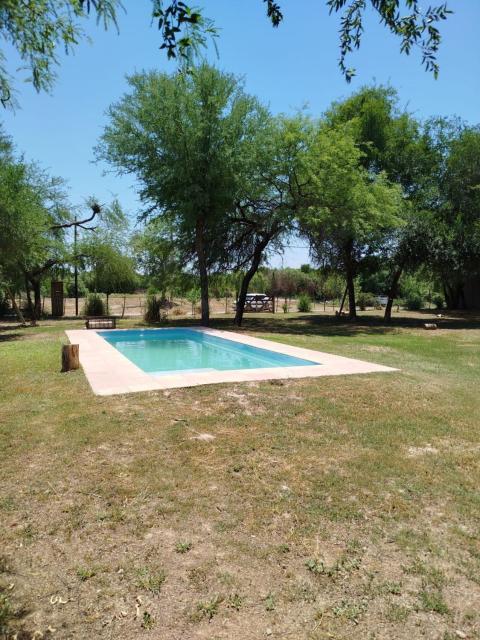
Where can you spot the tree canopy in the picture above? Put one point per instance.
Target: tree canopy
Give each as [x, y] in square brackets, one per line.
[186, 138]
[346, 211]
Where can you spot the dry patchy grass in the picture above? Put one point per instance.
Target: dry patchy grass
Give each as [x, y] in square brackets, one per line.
[330, 508]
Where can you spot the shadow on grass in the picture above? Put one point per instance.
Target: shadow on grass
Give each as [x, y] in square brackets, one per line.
[331, 326]
[8, 333]
[293, 324]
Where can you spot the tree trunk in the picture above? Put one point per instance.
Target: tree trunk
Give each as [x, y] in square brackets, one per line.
[70, 357]
[352, 308]
[35, 308]
[461, 296]
[350, 275]
[202, 269]
[392, 292]
[343, 301]
[454, 295]
[15, 306]
[256, 260]
[37, 294]
[31, 311]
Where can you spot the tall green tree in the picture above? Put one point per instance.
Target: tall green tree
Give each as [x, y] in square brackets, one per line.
[265, 213]
[452, 238]
[393, 143]
[408, 161]
[347, 210]
[186, 138]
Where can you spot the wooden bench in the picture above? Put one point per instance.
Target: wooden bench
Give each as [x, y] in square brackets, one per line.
[101, 322]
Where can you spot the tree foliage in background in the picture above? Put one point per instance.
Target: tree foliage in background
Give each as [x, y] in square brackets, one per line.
[452, 237]
[390, 205]
[157, 257]
[111, 271]
[37, 29]
[32, 204]
[109, 268]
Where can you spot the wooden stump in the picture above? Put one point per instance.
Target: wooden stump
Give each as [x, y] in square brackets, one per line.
[70, 357]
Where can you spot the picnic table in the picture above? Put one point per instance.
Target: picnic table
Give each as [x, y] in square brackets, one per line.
[101, 322]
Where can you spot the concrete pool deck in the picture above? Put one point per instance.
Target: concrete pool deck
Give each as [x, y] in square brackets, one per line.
[109, 372]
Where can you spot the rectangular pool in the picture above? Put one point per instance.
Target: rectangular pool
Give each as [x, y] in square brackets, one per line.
[163, 351]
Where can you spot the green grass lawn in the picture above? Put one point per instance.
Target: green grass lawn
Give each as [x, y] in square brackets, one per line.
[326, 508]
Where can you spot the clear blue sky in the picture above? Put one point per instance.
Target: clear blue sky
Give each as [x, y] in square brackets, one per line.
[286, 68]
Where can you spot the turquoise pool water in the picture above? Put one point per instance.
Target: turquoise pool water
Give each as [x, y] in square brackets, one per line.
[169, 350]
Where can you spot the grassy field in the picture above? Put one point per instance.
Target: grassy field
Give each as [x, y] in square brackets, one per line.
[330, 508]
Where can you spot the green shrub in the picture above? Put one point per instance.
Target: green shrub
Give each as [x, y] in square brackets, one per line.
[304, 303]
[414, 301]
[154, 312]
[94, 305]
[365, 300]
[152, 290]
[414, 291]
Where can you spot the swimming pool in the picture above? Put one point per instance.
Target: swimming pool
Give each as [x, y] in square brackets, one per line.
[126, 361]
[163, 351]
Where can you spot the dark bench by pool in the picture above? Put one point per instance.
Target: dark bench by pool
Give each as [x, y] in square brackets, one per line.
[101, 322]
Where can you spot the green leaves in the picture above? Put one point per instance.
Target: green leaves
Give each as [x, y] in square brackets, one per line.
[346, 205]
[416, 29]
[36, 29]
[30, 203]
[183, 30]
[274, 12]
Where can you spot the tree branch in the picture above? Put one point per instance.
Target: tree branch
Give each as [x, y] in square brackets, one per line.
[96, 209]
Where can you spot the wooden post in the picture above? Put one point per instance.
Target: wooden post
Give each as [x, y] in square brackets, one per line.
[56, 297]
[70, 357]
